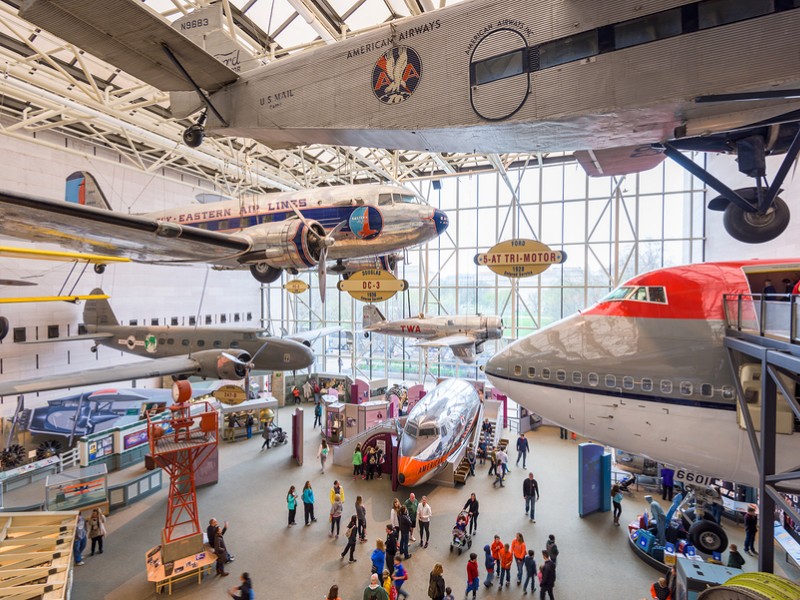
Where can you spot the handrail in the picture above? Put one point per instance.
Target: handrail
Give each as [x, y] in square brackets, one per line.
[763, 315]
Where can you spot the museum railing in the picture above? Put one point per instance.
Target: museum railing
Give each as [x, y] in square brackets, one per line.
[775, 316]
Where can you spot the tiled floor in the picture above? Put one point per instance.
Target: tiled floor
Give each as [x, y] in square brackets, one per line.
[303, 562]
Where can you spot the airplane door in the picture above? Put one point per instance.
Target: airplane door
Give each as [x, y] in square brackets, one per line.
[499, 79]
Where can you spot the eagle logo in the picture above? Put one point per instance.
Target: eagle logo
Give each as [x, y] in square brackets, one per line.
[396, 74]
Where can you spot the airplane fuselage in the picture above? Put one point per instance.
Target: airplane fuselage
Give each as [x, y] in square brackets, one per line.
[550, 75]
[428, 328]
[649, 376]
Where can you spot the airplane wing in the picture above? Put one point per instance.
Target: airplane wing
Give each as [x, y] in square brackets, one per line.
[86, 228]
[12, 252]
[72, 299]
[72, 338]
[312, 335]
[130, 36]
[450, 340]
[172, 365]
[618, 161]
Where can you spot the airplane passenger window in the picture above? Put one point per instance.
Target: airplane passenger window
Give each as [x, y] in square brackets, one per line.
[201, 343]
[170, 341]
[52, 332]
[707, 390]
[686, 388]
[728, 392]
[666, 386]
[574, 47]
[217, 344]
[712, 13]
[561, 375]
[657, 294]
[192, 321]
[223, 318]
[20, 334]
[235, 344]
[499, 67]
[173, 321]
[647, 29]
[611, 381]
[384, 199]
[517, 369]
[593, 379]
[154, 322]
[184, 342]
[133, 322]
[545, 373]
[627, 382]
[531, 372]
[162, 341]
[208, 320]
[577, 377]
[647, 385]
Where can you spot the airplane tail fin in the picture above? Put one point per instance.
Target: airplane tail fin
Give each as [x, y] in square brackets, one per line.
[98, 312]
[81, 188]
[372, 315]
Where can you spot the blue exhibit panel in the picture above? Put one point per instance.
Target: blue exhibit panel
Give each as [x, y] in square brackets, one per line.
[594, 479]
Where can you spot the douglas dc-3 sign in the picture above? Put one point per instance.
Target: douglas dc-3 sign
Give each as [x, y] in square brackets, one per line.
[520, 258]
[372, 285]
[621, 84]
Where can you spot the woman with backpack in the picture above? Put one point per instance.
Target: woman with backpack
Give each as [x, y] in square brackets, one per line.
[436, 583]
[351, 533]
[322, 454]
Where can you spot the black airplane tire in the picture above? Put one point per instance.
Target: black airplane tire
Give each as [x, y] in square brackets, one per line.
[263, 273]
[708, 537]
[99, 268]
[755, 228]
[193, 136]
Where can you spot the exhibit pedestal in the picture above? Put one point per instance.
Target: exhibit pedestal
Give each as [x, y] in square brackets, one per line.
[188, 546]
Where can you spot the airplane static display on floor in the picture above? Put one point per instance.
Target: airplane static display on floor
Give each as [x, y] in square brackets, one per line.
[463, 334]
[624, 84]
[218, 353]
[645, 370]
[437, 427]
[268, 233]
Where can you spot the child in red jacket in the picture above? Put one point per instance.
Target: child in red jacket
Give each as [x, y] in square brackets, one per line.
[473, 577]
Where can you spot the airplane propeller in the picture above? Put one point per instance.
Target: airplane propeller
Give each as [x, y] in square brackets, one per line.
[248, 366]
[325, 242]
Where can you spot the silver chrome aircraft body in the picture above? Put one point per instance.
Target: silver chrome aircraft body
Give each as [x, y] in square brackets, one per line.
[437, 427]
[623, 83]
[644, 370]
[463, 334]
[268, 233]
[208, 352]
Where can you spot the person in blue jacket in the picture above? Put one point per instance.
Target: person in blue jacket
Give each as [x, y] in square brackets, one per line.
[308, 503]
[379, 559]
[489, 563]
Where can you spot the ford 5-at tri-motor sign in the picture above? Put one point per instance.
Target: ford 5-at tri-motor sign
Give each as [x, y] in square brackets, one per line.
[520, 258]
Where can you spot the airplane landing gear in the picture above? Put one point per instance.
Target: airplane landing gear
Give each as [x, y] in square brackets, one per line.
[263, 273]
[194, 135]
[99, 268]
[756, 227]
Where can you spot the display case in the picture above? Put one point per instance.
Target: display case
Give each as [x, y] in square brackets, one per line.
[335, 420]
[371, 413]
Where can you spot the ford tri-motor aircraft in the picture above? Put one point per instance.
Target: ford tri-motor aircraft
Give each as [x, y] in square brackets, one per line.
[360, 224]
[463, 334]
[645, 370]
[208, 352]
[623, 84]
[437, 427]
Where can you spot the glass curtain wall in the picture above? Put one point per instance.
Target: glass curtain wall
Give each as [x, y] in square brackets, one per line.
[610, 228]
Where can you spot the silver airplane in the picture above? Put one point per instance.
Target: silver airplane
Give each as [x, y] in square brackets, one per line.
[463, 334]
[207, 352]
[623, 84]
[359, 226]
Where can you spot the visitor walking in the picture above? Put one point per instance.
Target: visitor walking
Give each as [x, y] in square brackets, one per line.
[350, 533]
[436, 583]
[522, 449]
[97, 530]
[79, 545]
[530, 572]
[472, 506]
[411, 505]
[317, 415]
[424, 516]
[548, 580]
[473, 577]
[243, 591]
[506, 560]
[400, 576]
[337, 508]
[361, 515]
[322, 454]
[291, 504]
[530, 490]
[519, 550]
[616, 500]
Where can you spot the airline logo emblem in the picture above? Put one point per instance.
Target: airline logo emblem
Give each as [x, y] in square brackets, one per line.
[150, 344]
[366, 222]
[396, 74]
[520, 258]
[410, 329]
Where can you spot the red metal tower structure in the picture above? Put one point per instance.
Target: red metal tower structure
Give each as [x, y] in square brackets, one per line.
[180, 452]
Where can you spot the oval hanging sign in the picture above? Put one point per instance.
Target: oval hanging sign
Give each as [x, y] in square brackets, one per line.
[295, 286]
[372, 285]
[230, 394]
[520, 258]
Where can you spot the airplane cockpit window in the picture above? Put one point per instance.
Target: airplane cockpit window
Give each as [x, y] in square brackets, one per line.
[411, 429]
[384, 199]
[406, 199]
[618, 294]
[640, 294]
[428, 431]
[657, 294]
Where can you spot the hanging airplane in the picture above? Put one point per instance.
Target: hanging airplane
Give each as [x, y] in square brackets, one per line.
[623, 85]
[463, 334]
[645, 370]
[437, 427]
[268, 233]
[207, 352]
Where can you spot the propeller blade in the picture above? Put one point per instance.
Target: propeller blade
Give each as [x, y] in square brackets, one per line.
[322, 272]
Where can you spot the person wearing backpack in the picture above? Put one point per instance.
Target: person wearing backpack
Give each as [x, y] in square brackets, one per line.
[400, 576]
[375, 591]
[351, 533]
[248, 423]
[317, 415]
[436, 583]
[244, 591]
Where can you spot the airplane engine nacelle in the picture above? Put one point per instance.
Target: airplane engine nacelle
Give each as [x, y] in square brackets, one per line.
[351, 265]
[289, 244]
[226, 364]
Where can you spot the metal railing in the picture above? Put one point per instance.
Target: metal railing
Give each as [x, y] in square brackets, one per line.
[774, 315]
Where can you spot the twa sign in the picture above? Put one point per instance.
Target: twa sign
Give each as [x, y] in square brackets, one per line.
[520, 258]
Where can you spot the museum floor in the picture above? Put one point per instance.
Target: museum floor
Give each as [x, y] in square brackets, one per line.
[303, 562]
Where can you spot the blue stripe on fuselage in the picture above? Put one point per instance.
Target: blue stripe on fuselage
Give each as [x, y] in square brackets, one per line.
[617, 393]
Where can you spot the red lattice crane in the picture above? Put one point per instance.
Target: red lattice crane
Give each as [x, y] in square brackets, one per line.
[180, 452]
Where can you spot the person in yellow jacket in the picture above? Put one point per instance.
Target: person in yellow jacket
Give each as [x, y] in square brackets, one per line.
[337, 489]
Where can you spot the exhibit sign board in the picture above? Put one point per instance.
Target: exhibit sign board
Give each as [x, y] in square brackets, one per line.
[372, 285]
[230, 394]
[520, 258]
[295, 286]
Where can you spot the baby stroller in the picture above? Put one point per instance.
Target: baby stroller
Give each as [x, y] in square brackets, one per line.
[625, 484]
[460, 539]
[276, 435]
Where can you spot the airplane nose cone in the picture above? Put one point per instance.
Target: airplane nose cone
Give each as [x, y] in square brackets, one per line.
[496, 364]
[441, 221]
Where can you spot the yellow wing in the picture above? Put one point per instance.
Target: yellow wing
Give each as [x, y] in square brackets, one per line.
[57, 255]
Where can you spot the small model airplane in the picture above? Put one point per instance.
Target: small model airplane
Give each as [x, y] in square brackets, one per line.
[624, 86]
[269, 233]
[437, 427]
[464, 335]
[218, 353]
[644, 370]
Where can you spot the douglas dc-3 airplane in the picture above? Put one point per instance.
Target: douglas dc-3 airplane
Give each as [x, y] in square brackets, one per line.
[359, 226]
[645, 370]
[217, 353]
[463, 334]
[623, 84]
